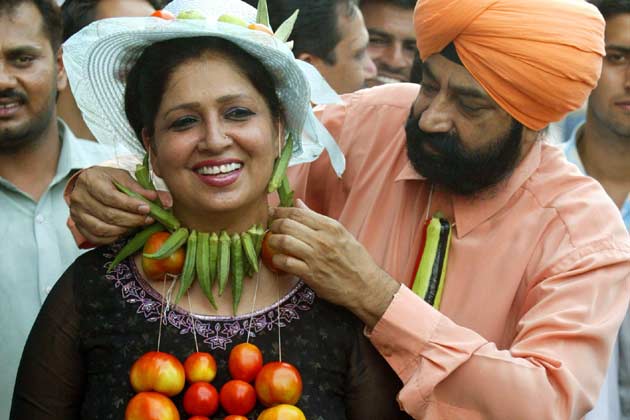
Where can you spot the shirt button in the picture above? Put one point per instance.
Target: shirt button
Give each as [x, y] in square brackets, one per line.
[39, 218]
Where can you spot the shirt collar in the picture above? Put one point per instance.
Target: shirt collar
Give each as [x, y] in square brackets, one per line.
[77, 153]
[68, 160]
[408, 173]
[471, 212]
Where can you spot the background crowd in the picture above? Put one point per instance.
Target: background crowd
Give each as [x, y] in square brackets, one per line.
[44, 141]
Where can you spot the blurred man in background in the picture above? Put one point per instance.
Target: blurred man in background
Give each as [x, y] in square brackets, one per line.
[600, 147]
[79, 13]
[38, 154]
[330, 35]
[392, 38]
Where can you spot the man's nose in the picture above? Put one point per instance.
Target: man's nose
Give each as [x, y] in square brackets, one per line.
[369, 68]
[7, 78]
[394, 56]
[436, 116]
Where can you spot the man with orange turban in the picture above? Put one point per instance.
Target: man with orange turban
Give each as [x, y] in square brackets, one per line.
[489, 273]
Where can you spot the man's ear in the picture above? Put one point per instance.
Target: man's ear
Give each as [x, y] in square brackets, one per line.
[62, 77]
[148, 146]
[311, 59]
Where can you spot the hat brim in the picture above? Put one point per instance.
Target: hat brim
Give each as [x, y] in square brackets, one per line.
[98, 58]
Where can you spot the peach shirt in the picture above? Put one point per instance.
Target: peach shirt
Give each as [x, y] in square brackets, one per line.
[537, 282]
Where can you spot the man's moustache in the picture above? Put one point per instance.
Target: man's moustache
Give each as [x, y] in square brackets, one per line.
[12, 94]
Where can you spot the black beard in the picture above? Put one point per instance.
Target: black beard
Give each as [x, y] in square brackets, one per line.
[14, 140]
[460, 170]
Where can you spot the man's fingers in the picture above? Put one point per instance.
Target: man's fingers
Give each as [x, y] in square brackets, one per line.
[98, 233]
[289, 245]
[124, 178]
[305, 216]
[166, 199]
[91, 206]
[98, 183]
[291, 265]
[292, 228]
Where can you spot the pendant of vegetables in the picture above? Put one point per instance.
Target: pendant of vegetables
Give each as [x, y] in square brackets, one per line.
[210, 257]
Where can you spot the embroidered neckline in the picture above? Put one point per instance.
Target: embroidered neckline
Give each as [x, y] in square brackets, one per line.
[216, 331]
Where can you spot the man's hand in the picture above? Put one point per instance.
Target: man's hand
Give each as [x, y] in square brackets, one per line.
[102, 213]
[331, 261]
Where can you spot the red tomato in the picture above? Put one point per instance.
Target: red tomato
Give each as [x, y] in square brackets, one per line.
[164, 14]
[200, 367]
[233, 417]
[157, 371]
[201, 399]
[238, 397]
[151, 406]
[278, 383]
[282, 412]
[245, 362]
[199, 418]
[155, 269]
[267, 253]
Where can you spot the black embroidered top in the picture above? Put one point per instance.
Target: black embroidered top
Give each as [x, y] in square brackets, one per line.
[95, 324]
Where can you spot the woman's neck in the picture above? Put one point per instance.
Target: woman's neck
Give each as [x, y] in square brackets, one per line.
[233, 221]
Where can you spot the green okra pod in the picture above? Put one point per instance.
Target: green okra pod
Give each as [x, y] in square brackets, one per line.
[172, 244]
[188, 273]
[280, 166]
[258, 234]
[285, 192]
[143, 175]
[223, 265]
[237, 270]
[250, 250]
[203, 266]
[135, 244]
[163, 216]
[213, 243]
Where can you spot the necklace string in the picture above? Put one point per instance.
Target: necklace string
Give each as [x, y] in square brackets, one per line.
[192, 318]
[278, 319]
[251, 318]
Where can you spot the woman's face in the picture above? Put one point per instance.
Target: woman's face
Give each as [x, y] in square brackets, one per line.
[215, 139]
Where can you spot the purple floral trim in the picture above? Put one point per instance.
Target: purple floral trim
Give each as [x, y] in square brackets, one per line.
[216, 331]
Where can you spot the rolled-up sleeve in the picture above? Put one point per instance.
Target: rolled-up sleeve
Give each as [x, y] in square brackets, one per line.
[554, 366]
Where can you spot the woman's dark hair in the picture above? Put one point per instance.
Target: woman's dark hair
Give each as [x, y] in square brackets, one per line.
[148, 77]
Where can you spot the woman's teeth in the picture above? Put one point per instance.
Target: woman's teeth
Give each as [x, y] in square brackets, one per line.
[220, 169]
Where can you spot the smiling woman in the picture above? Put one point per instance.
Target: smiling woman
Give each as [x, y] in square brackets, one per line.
[211, 104]
[214, 135]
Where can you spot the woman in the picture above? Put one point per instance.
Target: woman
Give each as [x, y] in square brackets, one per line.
[211, 104]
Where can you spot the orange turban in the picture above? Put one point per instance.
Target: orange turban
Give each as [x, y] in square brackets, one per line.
[538, 59]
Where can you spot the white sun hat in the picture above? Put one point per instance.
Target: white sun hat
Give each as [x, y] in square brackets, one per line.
[98, 57]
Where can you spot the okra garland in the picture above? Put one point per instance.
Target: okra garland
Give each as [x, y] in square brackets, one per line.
[211, 257]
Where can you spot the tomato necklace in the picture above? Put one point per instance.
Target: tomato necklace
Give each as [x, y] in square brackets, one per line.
[157, 375]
